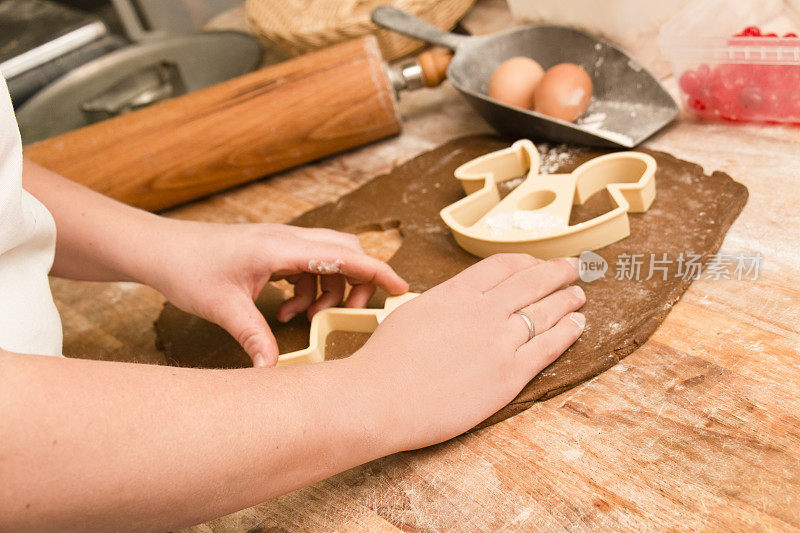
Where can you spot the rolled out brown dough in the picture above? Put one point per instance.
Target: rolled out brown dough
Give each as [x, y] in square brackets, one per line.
[691, 214]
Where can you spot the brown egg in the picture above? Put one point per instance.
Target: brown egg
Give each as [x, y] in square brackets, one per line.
[564, 92]
[515, 81]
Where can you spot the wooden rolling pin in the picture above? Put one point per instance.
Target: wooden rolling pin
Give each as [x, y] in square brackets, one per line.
[269, 120]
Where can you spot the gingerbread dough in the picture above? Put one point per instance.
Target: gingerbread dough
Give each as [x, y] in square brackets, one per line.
[691, 214]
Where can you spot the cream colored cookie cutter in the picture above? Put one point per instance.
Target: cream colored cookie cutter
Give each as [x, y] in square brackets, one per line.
[341, 319]
[629, 178]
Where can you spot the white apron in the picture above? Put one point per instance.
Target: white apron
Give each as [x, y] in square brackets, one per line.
[29, 321]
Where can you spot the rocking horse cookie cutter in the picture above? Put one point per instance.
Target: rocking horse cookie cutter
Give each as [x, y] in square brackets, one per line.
[629, 178]
[341, 319]
[534, 217]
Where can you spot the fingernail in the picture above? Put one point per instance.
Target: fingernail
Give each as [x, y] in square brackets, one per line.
[577, 291]
[258, 361]
[572, 261]
[288, 317]
[578, 319]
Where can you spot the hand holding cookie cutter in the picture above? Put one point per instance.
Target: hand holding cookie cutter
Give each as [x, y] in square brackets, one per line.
[629, 178]
[341, 319]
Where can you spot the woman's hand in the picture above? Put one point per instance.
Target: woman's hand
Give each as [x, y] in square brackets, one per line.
[212, 270]
[216, 271]
[450, 358]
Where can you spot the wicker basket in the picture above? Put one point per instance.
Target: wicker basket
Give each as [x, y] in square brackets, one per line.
[299, 26]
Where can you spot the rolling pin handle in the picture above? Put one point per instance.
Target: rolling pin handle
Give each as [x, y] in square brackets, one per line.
[429, 69]
[434, 66]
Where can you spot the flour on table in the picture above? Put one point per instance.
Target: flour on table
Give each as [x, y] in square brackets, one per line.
[537, 222]
[317, 266]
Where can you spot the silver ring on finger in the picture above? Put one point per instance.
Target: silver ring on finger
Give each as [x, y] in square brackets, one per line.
[529, 322]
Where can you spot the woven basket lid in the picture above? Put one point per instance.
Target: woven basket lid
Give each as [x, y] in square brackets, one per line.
[300, 26]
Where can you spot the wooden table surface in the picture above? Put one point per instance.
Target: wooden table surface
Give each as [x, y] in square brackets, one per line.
[698, 429]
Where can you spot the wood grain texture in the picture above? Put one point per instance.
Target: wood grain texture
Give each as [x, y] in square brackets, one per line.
[266, 121]
[697, 430]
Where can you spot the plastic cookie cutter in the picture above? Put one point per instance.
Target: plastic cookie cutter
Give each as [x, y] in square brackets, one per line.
[341, 319]
[534, 217]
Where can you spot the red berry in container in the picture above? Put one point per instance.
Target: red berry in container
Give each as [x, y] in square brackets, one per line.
[772, 77]
[742, 73]
[790, 35]
[793, 107]
[792, 82]
[752, 99]
[701, 103]
[696, 104]
[774, 104]
[729, 111]
[690, 82]
[726, 81]
[751, 31]
[770, 35]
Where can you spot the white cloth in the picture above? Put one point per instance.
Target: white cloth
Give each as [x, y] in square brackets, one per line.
[29, 321]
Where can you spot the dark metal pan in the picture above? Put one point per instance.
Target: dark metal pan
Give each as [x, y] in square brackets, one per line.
[628, 106]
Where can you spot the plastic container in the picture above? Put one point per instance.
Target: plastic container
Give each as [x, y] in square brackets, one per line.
[734, 60]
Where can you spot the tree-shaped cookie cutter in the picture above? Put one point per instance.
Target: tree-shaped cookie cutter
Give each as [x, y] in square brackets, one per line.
[341, 319]
[629, 178]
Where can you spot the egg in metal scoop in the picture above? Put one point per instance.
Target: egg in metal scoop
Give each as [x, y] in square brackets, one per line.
[514, 82]
[564, 92]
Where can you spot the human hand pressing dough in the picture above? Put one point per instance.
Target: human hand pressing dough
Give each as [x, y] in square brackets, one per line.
[455, 355]
[216, 271]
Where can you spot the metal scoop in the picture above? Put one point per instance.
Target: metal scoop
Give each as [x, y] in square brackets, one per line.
[629, 104]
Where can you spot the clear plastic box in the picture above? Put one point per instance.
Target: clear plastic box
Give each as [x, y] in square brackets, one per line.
[724, 75]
